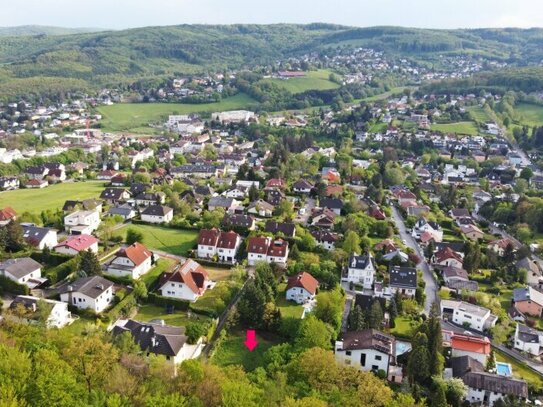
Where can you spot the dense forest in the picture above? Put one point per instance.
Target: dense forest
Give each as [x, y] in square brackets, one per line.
[84, 61]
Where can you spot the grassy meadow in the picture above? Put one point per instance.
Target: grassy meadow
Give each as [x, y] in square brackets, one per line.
[173, 241]
[314, 80]
[469, 128]
[529, 114]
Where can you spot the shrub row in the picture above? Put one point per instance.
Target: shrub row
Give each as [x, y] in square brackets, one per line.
[164, 301]
[62, 271]
[12, 287]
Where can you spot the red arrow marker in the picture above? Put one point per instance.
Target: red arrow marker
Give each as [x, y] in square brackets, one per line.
[251, 341]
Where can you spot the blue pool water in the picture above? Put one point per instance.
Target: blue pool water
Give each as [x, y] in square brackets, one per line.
[402, 347]
[503, 369]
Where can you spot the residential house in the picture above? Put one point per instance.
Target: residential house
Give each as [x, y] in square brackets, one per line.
[238, 221]
[77, 243]
[150, 198]
[457, 278]
[403, 280]
[360, 270]
[82, 222]
[157, 214]
[24, 271]
[500, 246]
[322, 218]
[39, 237]
[472, 232]
[188, 282]
[534, 275]
[125, 211]
[325, 239]
[260, 208]
[228, 204]
[267, 250]
[94, 293]
[132, 261]
[302, 187]
[224, 245]
[159, 339]
[276, 183]
[36, 184]
[86, 204]
[422, 225]
[287, 229]
[528, 301]
[333, 204]
[468, 315]
[528, 340]
[9, 183]
[368, 350]
[448, 257]
[58, 314]
[301, 288]
[115, 195]
[7, 214]
[474, 346]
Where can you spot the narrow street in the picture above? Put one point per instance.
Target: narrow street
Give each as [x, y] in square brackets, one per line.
[431, 284]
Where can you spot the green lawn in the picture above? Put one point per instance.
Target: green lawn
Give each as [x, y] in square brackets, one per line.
[520, 370]
[149, 312]
[216, 299]
[529, 114]
[232, 351]
[137, 116]
[52, 197]
[405, 327]
[478, 114]
[459, 127]
[217, 273]
[173, 241]
[378, 128]
[289, 309]
[314, 80]
[152, 276]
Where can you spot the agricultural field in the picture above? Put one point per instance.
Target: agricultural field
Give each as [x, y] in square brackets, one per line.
[314, 80]
[53, 197]
[173, 241]
[137, 116]
[469, 128]
[478, 114]
[531, 115]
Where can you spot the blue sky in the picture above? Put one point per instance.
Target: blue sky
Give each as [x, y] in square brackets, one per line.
[119, 14]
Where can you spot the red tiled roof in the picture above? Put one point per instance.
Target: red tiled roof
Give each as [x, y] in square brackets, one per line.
[192, 274]
[79, 242]
[258, 245]
[227, 240]
[303, 280]
[7, 213]
[447, 253]
[278, 248]
[275, 183]
[137, 253]
[209, 237]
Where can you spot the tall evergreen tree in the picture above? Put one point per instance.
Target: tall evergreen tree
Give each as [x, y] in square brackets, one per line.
[89, 263]
[392, 312]
[357, 320]
[418, 364]
[375, 316]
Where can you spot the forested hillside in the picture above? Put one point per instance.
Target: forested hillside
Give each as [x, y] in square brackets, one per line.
[115, 57]
[42, 30]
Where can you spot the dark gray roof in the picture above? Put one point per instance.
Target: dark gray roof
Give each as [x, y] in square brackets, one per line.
[369, 339]
[239, 220]
[157, 210]
[155, 338]
[288, 229]
[120, 210]
[220, 201]
[497, 384]
[33, 235]
[527, 334]
[403, 277]
[359, 262]
[19, 268]
[92, 286]
[113, 193]
[464, 364]
[331, 203]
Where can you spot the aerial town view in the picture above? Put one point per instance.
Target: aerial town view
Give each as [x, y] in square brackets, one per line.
[292, 204]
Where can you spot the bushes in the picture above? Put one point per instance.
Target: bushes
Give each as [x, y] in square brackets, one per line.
[49, 258]
[163, 301]
[62, 271]
[124, 307]
[12, 287]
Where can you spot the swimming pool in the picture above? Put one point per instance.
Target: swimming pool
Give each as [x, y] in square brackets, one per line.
[504, 369]
[402, 347]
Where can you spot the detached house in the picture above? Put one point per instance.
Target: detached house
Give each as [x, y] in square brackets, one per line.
[287, 229]
[403, 280]
[422, 225]
[470, 315]
[7, 215]
[333, 204]
[528, 340]
[39, 238]
[267, 249]
[77, 243]
[360, 270]
[59, 315]
[157, 214]
[528, 301]
[301, 288]
[188, 282]
[447, 257]
[238, 221]
[302, 187]
[115, 195]
[82, 222]
[25, 271]
[261, 208]
[224, 245]
[500, 246]
[132, 261]
[94, 293]
[325, 239]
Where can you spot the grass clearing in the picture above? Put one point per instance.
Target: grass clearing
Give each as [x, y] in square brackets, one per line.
[289, 309]
[153, 275]
[469, 128]
[478, 114]
[232, 351]
[405, 327]
[169, 240]
[314, 80]
[148, 312]
[53, 197]
[529, 114]
[520, 371]
[218, 274]
[137, 116]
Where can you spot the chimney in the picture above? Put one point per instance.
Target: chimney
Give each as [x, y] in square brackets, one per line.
[70, 288]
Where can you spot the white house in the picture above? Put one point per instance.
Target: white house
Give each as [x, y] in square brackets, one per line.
[23, 270]
[368, 350]
[422, 225]
[188, 282]
[528, 340]
[94, 293]
[325, 239]
[463, 313]
[360, 270]
[77, 243]
[301, 288]
[224, 245]
[487, 388]
[132, 261]
[82, 222]
[157, 214]
[40, 238]
[59, 315]
[266, 249]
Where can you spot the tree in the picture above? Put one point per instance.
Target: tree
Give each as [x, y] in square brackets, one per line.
[418, 364]
[472, 257]
[125, 344]
[351, 244]
[491, 361]
[439, 399]
[435, 340]
[392, 312]
[357, 321]
[398, 299]
[194, 331]
[89, 263]
[526, 173]
[15, 240]
[251, 305]
[133, 236]
[314, 333]
[375, 316]
[329, 308]
[140, 290]
[254, 194]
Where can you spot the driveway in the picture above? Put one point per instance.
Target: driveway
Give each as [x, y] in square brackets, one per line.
[309, 205]
[431, 285]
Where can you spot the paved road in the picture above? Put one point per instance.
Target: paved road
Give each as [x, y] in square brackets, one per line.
[431, 285]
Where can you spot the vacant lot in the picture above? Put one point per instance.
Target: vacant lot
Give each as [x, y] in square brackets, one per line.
[314, 80]
[529, 114]
[232, 351]
[150, 312]
[137, 116]
[459, 128]
[173, 241]
[52, 197]
[478, 114]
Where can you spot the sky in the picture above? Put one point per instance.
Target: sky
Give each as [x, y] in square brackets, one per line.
[119, 14]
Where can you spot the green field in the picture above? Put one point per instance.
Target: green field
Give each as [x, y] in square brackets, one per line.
[52, 197]
[232, 351]
[531, 115]
[137, 116]
[459, 128]
[173, 241]
[289, 309]
[314, 80]
[149, 312]
[478, 114]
